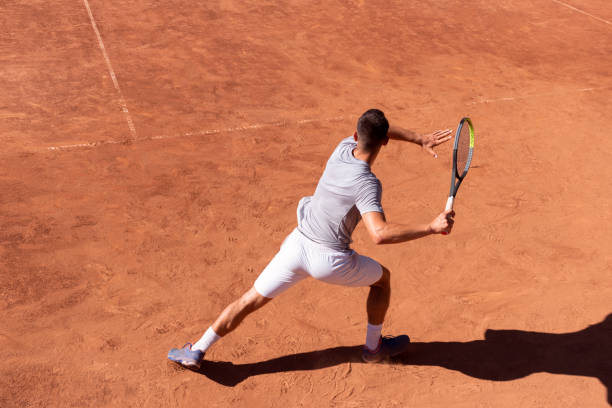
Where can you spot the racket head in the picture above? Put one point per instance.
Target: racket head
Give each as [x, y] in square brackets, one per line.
[464, 148]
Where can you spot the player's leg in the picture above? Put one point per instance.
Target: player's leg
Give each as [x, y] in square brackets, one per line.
[378, 298]
[376, 306]
[229, 319]
[377, 347]
[234, 313]
[353, 269]
[284, 271]
[192, 355]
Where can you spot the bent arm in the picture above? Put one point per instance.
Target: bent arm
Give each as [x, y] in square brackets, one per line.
[383, 232]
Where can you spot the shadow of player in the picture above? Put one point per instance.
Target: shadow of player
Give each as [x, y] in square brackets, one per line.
[502, 356]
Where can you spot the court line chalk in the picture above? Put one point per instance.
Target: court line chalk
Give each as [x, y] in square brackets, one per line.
[515, 98]
[246, 127]
[198, 133]
[87, 144]
[582, 11]
[293, 123]
[111, 71]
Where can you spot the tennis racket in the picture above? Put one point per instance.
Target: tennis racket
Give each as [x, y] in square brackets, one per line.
[462, 157]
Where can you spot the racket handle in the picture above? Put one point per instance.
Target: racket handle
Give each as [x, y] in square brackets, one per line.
[449, 206]
[449, 203]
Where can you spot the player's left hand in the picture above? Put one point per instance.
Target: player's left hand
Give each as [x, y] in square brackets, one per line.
[431, 140]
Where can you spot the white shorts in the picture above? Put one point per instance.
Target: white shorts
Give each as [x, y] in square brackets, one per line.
[299, 258]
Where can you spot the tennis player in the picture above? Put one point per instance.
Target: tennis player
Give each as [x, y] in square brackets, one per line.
[320, 245]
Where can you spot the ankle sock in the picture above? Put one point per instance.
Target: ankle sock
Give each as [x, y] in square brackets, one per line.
[208, 339]
[373, 336]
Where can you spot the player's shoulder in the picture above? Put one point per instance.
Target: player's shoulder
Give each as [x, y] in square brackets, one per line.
[348, 140]
[346, 143]
[368, 180]
[343, 150]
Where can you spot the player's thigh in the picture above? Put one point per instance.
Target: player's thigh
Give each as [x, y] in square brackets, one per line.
[346, 269]
[284, 270]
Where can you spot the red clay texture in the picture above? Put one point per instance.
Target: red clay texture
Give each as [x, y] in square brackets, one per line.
[116, 245]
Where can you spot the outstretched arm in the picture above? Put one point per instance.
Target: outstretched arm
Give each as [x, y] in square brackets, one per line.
[383, 232]
[427, 141]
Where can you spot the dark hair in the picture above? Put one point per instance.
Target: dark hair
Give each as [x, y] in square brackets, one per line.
[372, 128]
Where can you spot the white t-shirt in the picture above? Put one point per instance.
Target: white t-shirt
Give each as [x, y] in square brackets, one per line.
[347, 189]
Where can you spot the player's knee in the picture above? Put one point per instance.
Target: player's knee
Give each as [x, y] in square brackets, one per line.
[386, 276]
[252, 300]
[385, 279]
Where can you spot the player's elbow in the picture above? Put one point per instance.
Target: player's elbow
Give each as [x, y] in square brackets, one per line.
[378, 238]
[377, 227]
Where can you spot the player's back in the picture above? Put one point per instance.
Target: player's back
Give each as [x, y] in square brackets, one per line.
[346, 189]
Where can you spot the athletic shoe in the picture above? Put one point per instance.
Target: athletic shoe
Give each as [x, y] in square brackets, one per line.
[387, 347]
[186, 356]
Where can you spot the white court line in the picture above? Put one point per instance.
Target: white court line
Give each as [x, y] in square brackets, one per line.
[124, 108]
[249, 127]
[295, 123]
[200, 133]
[515, 98]
[581, 11]
[82, 145]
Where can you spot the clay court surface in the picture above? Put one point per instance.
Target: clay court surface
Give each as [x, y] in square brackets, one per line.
[154, 154]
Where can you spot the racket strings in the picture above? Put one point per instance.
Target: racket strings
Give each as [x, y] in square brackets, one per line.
[463, 149]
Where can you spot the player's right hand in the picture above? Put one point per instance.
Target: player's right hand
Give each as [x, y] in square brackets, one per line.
[443, 223]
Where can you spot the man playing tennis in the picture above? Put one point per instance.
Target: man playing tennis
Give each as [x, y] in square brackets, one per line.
[320, 245]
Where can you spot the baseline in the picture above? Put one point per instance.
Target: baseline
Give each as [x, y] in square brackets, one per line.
[515, 98]
[298, 122]
[199, 133]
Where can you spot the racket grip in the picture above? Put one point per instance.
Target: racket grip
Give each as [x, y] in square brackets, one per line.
[449, 203]
[449, 206]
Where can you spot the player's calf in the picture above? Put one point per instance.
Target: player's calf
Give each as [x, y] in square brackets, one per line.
[235, 313]
[191, 356]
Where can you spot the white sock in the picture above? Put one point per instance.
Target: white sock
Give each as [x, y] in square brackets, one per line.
[208, 339]
[373, 336]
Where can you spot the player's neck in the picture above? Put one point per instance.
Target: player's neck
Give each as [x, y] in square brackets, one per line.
[368, 157]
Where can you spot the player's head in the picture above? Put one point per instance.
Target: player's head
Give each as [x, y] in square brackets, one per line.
[372, 128]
